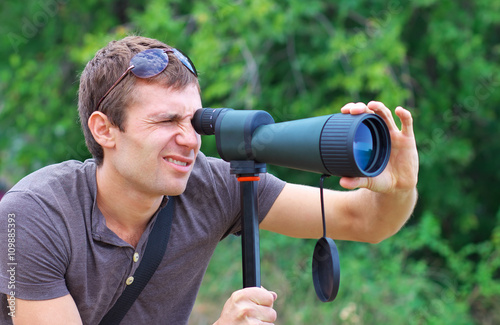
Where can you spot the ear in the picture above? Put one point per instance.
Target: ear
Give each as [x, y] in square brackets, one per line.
[102, 129]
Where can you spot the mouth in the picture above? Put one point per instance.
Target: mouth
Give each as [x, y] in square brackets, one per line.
[179, 163]
[176, 162]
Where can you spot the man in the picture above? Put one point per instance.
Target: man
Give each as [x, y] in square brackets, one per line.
[81, 228]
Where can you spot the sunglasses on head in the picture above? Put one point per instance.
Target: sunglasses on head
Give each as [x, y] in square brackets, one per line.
[149, 63]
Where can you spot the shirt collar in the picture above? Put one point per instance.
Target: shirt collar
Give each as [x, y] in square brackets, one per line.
[100, 232]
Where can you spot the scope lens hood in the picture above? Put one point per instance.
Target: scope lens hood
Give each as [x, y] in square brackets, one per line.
[355, 145]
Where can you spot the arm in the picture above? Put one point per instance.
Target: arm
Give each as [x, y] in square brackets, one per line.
[376, 210]
[39, 292]
[58, 311]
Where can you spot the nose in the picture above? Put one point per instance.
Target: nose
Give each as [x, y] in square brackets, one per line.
[188, 137]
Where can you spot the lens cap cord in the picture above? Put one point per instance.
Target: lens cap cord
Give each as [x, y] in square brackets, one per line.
[325, 263]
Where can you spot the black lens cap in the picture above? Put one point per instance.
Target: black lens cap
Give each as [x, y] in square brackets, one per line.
[326, 269]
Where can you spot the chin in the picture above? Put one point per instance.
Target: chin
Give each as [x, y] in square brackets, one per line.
[175, 189]
[173, 193]
[172, 185]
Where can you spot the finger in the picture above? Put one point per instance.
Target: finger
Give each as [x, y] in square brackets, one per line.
[406, 121]
[265, 314]
[260, 296]
[352, 183]
[274, 294]
[381, 110]
[355, 108]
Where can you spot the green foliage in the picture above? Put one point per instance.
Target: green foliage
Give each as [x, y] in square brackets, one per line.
[299, 59]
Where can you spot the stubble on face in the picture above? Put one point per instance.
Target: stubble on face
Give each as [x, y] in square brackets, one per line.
[155, 154]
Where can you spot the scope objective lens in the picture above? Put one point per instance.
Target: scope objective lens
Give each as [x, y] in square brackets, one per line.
[363, 146]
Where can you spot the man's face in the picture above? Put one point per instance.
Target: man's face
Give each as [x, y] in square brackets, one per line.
[156, 152]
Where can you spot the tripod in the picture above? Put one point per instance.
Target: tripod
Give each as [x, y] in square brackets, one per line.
[247, 172]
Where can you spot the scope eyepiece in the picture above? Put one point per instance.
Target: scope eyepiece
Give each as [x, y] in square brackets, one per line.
[204, 120]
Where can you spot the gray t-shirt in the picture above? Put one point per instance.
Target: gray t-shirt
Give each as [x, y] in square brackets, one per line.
[54, 241]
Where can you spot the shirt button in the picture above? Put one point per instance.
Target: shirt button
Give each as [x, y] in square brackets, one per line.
[136, 257]
[129, 281]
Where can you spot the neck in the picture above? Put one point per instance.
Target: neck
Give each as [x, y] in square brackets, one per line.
[127, 211]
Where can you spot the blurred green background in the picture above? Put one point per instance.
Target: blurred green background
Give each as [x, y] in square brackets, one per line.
[297, 59]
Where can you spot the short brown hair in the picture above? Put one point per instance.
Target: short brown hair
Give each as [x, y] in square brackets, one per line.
[105, 68]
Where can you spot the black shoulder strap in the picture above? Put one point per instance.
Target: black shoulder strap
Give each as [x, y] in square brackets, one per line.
[155, 249]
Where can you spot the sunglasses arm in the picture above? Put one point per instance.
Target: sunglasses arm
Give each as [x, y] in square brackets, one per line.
[113, 86]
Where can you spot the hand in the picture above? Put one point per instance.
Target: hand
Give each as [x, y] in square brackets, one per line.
[249, 306]
[401, 172]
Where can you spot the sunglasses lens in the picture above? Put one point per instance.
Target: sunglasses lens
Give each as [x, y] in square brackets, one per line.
[149, 63]
[185, 60]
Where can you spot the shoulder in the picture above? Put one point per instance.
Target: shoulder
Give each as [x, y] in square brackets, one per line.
[205, 163]
[212, 181]
[215, 172]
[210, 171]
[60, 189]
[62, 174]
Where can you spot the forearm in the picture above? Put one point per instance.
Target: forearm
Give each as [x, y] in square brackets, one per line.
[377, 216]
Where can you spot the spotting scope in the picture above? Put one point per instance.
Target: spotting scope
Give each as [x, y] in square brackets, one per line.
[337, 144]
